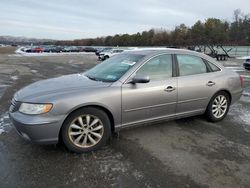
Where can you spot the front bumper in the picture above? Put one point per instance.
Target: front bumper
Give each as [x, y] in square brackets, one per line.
[37, 128]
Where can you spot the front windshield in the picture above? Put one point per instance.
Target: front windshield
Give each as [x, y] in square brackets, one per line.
[113, 68]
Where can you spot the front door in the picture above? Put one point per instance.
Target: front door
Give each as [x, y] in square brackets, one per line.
[148, 101]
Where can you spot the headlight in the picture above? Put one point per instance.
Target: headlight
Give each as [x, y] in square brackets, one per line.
[28, 108]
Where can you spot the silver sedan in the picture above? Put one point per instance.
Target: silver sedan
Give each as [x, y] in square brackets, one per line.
[136, 87]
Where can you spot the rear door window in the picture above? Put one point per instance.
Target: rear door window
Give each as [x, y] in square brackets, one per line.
[190, 65]
[213, 67]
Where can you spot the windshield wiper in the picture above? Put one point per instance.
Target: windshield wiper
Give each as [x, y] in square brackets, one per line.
[97, 79]
[93, 78]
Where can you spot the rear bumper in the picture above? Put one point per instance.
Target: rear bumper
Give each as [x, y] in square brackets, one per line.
[37, 129]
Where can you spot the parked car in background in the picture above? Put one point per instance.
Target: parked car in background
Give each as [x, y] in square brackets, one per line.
[89, 49]
[24, 49]
[74, 49]
[28, 50]
[66, 49]
[102, 50]
[131, 88]
[246, 64]
[81, 49]
[35, 50]
[53, 49]
[71, 49]
[38, 50]
[109, 53]
[86, 49]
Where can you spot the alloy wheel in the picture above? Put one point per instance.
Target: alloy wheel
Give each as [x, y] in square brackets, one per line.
[219, 106]
[86, 131]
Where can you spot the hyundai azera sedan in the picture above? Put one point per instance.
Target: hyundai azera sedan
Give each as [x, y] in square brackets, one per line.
[135, 87]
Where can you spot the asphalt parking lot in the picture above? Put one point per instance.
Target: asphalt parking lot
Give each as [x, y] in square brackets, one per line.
[190, 152]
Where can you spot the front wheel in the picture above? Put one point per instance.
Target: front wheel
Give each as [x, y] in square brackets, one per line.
[86, 130]
[218, 107]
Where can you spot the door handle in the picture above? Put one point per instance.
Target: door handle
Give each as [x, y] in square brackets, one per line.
[210, 83]
[169, 89]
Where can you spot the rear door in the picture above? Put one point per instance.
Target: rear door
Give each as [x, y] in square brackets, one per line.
[153, 100]
[196, 84]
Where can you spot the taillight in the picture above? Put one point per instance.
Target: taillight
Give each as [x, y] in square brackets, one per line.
[241, 80]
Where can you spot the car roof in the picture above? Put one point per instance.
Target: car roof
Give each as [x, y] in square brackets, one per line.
[156, 51]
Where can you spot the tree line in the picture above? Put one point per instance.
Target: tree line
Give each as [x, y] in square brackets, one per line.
[212, 31]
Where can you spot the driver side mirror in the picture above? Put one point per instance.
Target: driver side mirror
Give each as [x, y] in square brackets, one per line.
[140, 79]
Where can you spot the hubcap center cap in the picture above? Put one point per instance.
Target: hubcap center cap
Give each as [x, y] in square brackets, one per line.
[85, 131]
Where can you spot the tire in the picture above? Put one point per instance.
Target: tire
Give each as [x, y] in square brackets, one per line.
[216, 110]
[78, 135]
[105, 57]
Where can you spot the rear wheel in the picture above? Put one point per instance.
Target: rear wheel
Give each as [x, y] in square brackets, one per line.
[218, 107]
[86, 130]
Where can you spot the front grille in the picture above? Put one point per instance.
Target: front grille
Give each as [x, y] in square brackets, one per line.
[14, 105]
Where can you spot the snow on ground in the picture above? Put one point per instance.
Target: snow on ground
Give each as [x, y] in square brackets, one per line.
[241, 115]
[20, 53]
[14, 77]
[247, 94]
[238, 111]
[236, 68]
[49, 54]
[34, 71]
[241, 70]
[245, 76]
[5, 124]
[243, 57]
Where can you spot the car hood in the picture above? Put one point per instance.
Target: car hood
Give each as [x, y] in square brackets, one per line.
[61, 84]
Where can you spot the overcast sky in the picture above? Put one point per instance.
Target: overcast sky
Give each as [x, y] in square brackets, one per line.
[71, 19]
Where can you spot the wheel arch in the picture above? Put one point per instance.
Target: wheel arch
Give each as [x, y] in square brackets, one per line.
[221, 90]
[105, 109]
[226, 91]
